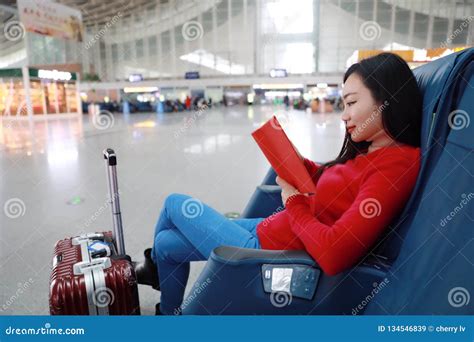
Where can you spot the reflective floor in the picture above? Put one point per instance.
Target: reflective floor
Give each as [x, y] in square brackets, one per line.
[53, 182]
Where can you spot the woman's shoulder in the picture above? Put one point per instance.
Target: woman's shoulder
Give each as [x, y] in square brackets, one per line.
[393, 161]
[392, 153]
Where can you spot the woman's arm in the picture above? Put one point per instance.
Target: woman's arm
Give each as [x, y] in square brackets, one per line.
[339, 246]
[311, 166]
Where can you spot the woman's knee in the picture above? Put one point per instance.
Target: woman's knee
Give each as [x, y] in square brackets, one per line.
[183, 205]
[174, 198]
[165, 243]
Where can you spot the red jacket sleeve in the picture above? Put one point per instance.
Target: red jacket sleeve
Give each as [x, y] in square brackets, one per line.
[382, 194]
[312, 168]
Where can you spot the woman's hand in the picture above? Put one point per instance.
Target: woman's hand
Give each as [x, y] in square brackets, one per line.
[287, 190]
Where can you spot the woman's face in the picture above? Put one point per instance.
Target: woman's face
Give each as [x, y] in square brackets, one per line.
[362, 114]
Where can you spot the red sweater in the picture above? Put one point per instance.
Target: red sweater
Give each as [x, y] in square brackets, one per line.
[353, 204]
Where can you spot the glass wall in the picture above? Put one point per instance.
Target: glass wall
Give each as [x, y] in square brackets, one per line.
[246, 37]
[47, 96]
[48, 50]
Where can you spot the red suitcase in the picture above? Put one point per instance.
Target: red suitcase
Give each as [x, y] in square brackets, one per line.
[91, 273]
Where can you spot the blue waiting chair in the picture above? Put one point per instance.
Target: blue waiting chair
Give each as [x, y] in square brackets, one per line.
[422, 265]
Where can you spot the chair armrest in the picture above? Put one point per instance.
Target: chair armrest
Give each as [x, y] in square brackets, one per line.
[233, 283]
[270, 189]
[264, 202]
[270, 177]
[237, 256]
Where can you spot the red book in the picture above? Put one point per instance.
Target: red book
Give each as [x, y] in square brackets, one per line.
[282, 155]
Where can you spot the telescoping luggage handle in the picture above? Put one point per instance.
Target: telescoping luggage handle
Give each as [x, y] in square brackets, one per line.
[111, 168]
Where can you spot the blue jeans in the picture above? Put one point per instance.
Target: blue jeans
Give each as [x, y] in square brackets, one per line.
[188, 230]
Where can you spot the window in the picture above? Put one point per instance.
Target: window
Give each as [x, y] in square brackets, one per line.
[285, 17]
[296, 58]
[440, 30]
[152, 46]
[114, 48]
[139, 47]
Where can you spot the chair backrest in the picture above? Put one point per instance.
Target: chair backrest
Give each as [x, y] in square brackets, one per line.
[434, 79]
[434, 243]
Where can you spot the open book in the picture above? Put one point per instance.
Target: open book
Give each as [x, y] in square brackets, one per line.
[282, 155]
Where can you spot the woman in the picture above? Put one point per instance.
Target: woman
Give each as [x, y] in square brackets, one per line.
[357, 195]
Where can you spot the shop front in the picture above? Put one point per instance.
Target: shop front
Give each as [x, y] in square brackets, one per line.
[29, 93]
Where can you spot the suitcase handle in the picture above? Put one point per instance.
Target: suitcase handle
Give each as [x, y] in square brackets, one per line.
[111, 168]
[110, 156]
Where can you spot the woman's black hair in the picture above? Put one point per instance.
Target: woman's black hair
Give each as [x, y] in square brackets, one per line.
[393, 85]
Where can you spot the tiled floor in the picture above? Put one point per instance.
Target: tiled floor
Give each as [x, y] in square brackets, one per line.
[53, 182]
